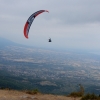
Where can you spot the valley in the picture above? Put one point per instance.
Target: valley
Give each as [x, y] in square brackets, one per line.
[49, 71]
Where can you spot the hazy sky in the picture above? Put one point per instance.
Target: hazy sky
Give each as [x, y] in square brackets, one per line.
[69, 23]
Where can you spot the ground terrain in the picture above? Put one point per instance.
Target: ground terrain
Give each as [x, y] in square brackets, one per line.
[17, 95]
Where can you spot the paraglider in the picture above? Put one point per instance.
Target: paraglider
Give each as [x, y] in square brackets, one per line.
[30, 20]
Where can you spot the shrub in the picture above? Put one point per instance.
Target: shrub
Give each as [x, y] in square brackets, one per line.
[90, 97]
[35, 91]
[79, 93]
[5, 88]
[76, 94]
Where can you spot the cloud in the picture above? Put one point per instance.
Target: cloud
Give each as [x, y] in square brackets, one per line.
[74, 22]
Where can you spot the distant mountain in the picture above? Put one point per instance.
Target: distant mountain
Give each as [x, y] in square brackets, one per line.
[4, 42]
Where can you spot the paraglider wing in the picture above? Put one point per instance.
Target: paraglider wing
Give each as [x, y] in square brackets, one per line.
[30, 20]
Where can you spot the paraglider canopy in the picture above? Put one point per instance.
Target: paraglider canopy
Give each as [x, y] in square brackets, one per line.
[30, 20]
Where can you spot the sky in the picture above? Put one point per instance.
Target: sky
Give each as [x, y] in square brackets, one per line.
[71, 24]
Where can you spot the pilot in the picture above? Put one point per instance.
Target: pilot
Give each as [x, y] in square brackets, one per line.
[49, 40]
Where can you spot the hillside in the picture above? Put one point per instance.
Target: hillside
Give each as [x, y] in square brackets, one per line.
[17, 95]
